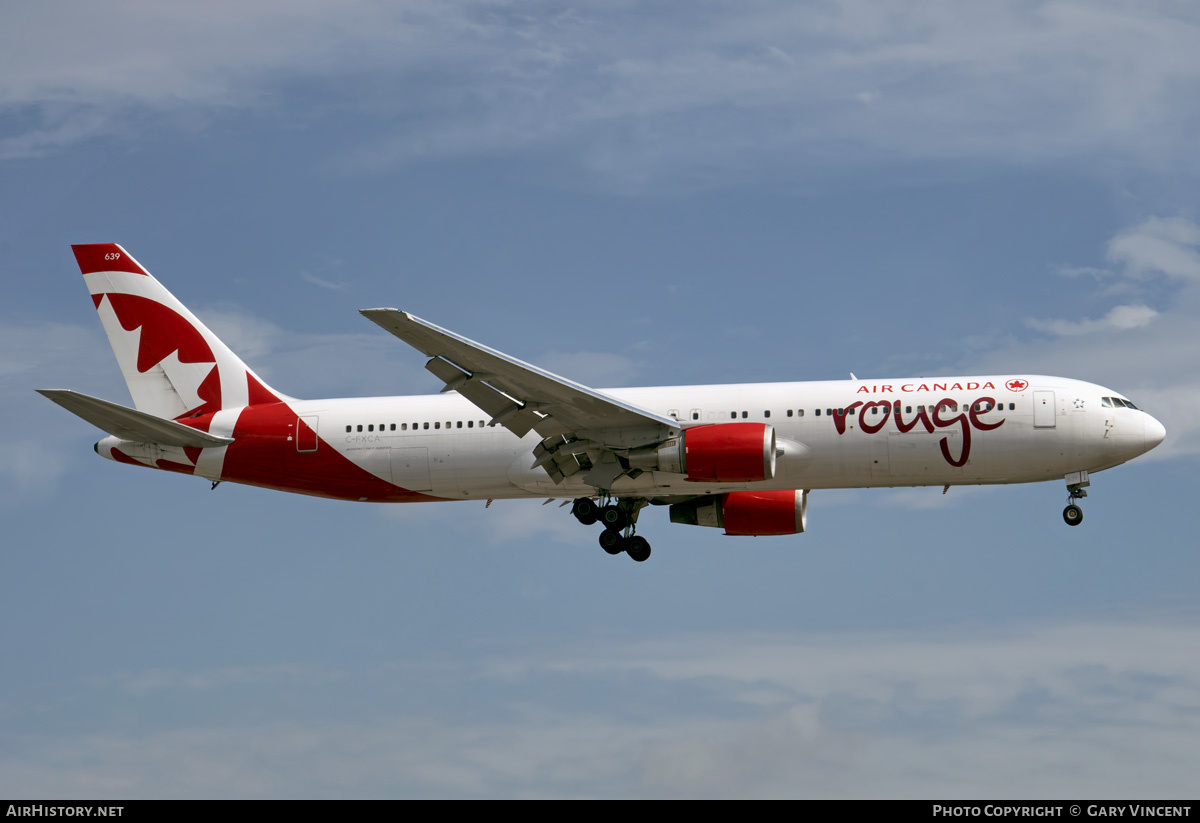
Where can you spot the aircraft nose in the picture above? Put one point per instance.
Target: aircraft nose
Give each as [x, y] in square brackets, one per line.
[1153, 432]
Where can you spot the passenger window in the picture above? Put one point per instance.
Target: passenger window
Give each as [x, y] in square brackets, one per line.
[459, 425]
[767, 413]
[371, 427]
[403, 427]
[347, 430]
[852, 411]
[695, 415]
[360, 426]
[800, 412]
[425, 425]
[908, 409]
[789, 412]
[745, 414]
[392, 427]
[470, 424]
[818, 412]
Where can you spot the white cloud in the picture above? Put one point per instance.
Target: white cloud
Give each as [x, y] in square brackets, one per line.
[1159, 245]
[636, 93]
[1118, 319]
[309, 277]
[1090, 271]
[1071, 709]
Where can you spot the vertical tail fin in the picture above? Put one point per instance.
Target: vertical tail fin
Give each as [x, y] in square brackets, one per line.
[174, 366]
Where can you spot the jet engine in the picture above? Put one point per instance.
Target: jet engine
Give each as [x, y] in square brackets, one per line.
[749, 514]
[718, 453]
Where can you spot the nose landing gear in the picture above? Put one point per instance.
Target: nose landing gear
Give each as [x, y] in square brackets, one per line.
[619, 519]
[1072, 514]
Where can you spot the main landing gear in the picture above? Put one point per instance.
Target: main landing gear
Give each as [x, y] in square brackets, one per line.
[619, 519]
[1072, 514]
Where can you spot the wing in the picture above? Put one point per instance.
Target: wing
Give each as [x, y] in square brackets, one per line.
[581, 427]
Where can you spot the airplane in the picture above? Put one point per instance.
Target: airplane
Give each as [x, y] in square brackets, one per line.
[740, 457]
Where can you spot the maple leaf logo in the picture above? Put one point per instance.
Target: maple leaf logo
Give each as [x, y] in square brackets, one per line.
[1017, 385]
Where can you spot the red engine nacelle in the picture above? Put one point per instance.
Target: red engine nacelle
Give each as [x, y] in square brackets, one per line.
[749, 514]
[717, 453]
[730, 452]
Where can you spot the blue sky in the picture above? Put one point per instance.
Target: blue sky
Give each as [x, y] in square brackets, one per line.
[628, 196]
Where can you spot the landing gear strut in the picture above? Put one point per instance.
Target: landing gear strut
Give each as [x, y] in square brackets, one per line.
[1072, 514]
[619, 519]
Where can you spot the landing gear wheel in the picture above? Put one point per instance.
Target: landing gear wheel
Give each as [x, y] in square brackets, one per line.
[613, 518]
[612, 541]
[638, 549]
[1073, 515]
[585, 510]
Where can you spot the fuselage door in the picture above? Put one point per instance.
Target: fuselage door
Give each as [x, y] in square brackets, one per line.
[1043, 410]
[410, 468]
[306, 433]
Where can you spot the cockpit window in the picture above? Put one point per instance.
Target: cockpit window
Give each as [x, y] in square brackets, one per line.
[1106, 402]
[1128, 405]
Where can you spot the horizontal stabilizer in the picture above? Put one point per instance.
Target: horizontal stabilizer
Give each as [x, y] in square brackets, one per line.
[131, 424]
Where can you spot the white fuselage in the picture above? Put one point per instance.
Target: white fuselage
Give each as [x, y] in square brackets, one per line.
[441, 445]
